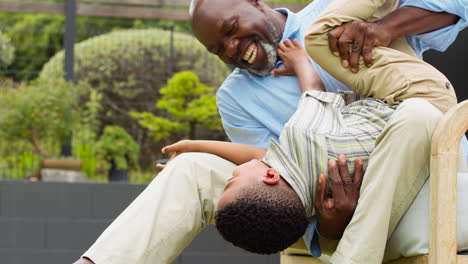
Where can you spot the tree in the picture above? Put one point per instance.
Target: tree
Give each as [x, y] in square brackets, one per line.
[189, 104]
[38, 112]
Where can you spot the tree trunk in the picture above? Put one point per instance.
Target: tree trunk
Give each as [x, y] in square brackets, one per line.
[192, 129]
[37, 145]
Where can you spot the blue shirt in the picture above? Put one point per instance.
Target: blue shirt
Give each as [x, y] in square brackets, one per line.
[255, 109]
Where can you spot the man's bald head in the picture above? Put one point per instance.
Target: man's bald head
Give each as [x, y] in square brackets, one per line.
[243, 33]
[193, 4]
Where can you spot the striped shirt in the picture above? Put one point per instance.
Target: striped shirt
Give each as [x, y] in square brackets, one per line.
[323, 128]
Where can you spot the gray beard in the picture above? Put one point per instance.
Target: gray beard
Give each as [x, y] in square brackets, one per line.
[272, 58]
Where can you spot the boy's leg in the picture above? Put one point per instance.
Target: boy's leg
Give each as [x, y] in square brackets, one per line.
[397, 74]
[397, 169]
[167, 215]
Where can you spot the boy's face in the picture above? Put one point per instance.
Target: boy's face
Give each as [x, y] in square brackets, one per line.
[247, 174]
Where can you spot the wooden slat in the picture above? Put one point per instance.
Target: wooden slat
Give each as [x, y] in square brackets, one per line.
[295, 7]
[132, 12]
[462, 259]
[121, 11]
[160, 3]
[445, 147]
[25, 7]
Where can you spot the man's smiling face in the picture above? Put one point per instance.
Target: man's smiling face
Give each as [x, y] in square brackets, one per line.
[240, 33]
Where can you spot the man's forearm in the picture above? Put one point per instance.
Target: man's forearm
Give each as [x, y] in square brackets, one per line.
[408, 21]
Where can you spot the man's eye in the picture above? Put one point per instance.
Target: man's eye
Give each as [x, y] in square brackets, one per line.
[233, 29]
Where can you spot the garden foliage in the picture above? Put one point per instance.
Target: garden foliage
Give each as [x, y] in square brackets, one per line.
[117, 146]
[129, 67]
[189, 104]
[38, 112]
[38, 37]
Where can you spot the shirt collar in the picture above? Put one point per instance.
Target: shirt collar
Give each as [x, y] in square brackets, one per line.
[279, 160]
[292, 26]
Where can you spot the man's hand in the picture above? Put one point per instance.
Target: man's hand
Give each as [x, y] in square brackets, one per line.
[335, 213]
[362, 36]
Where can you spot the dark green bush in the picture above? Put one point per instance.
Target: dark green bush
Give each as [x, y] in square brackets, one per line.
[129, 67]
[116, 146]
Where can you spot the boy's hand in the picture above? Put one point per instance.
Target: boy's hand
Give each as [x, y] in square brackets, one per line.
[335, 213]
[293, 56]
[174, 150]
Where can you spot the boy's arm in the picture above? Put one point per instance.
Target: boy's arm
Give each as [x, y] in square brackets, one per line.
[296, 62]
[234, 152]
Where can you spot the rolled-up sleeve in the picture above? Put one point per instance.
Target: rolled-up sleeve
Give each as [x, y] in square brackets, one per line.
[439, 39]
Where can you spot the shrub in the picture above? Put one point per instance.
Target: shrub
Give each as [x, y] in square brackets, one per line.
[129, 67]
[190, 104]
[116, 146]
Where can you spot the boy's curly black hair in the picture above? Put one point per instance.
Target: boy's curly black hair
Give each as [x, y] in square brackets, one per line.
[263, 220]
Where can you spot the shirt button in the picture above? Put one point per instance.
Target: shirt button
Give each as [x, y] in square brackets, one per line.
[447, 85]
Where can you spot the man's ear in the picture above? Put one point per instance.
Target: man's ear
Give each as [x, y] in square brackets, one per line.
[272, 177]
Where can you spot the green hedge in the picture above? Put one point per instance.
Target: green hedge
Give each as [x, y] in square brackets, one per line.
[37, 37]
[129, 67]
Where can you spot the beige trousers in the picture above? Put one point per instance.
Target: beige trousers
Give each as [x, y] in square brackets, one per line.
[396, 75]
[400, 167]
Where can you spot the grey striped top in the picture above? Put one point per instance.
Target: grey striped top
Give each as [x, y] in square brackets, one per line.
[322, 128]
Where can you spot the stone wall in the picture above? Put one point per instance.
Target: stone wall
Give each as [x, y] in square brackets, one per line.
[53, 223]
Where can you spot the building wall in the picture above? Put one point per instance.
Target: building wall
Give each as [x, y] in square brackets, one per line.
[53, 223]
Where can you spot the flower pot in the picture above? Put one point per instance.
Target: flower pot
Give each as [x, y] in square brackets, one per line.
[117, 175]
[61, 170]
[64, 164]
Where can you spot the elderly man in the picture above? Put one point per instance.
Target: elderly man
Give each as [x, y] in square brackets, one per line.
[182, 199]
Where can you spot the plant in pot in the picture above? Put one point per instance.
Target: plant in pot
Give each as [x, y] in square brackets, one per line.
[119, 152]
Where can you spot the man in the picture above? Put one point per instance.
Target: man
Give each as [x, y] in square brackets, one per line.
[182, 199]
